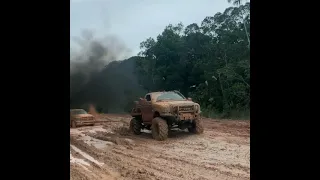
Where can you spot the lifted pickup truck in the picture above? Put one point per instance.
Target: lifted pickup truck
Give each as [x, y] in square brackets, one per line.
[162, 111]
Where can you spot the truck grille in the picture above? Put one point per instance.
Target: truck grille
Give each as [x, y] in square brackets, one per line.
[186, 108]
[87, 118]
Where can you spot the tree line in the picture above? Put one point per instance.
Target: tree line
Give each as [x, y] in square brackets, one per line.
[209, 62]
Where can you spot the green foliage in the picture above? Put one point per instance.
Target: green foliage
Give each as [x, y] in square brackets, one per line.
[209, 63]
[235, 2]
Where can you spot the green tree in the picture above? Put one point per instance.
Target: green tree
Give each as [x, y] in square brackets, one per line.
[210, 63]
[235, 2]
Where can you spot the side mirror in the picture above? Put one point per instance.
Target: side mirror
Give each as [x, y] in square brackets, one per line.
[142, 100]
[189, 99]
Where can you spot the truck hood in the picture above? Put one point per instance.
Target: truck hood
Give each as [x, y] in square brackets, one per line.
[175, 103]
[84, 115]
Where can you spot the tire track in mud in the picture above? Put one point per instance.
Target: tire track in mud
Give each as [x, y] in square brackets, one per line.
[77, 172]
[116, 161]
[90, 170]
[166, 165]
[172, 166]
[152, 165]
[121, 162]
[198, 158]
[194, 153]
[180, 157]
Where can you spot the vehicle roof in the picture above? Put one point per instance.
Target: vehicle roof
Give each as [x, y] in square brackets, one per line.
[76, 109]
[160, 92]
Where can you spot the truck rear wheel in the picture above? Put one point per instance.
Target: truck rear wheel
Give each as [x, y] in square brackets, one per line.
[196, 126]
[135, 126]
[159, 129]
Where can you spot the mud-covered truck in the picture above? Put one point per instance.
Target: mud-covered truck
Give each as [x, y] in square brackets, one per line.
[162, 111]
[80, 117]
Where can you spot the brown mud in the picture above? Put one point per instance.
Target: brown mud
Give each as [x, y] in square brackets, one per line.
[109, 151]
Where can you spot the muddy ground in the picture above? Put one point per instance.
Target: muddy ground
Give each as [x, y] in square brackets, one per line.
[108, 151]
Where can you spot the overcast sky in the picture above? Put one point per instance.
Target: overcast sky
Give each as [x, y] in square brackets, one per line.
[132, 21]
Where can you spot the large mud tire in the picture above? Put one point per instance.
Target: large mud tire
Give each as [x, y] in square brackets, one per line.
[73, 124]
[135, 126]
[159, 129]
[197, 127]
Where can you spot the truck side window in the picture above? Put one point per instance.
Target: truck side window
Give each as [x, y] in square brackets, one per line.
[148, 97]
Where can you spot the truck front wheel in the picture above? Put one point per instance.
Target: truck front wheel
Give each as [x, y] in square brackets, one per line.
[159, 129]
[196, 126]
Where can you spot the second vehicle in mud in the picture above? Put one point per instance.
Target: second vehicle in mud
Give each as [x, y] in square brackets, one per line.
[80, 117]
[162, 111]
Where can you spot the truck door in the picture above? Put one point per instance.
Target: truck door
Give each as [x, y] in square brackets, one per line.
[146, 109]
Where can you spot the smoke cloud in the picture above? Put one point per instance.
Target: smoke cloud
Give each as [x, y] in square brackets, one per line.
[92, 56]
[96, 75]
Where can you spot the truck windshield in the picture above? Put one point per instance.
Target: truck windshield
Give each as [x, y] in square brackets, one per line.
[170, 96]
[79, 111]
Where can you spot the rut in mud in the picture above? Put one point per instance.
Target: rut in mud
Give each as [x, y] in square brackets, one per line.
[109, 151]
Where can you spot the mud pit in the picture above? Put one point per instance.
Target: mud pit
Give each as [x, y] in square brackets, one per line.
[108, 151]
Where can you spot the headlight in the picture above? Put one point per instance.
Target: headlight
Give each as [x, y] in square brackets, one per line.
[174, 109]
[196, 108]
